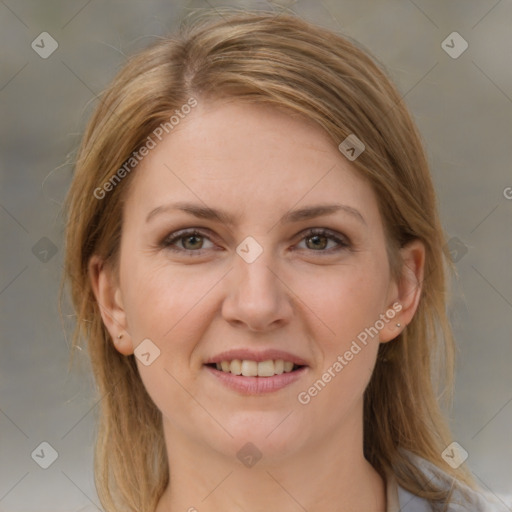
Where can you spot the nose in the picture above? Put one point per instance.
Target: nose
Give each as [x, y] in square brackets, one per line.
[256, 296]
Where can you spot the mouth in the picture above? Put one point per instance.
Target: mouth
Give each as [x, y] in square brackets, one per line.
[249, 368]
[252, 373]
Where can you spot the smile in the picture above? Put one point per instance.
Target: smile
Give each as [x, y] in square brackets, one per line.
[250, 381]
[248, 368]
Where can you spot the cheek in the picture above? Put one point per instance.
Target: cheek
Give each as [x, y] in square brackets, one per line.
[349, 301]
[349, 305]
[172, 307]
[346, 300]
[161, 299]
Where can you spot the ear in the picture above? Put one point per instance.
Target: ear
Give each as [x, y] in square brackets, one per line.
[110, 302]
[405, 293]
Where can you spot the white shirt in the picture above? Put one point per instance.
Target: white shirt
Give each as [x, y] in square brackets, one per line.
[463, 498]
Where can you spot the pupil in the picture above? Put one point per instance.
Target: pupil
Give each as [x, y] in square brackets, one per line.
[193, 242]
[318, 241]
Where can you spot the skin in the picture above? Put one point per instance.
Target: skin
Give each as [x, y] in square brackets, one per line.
[256, 163]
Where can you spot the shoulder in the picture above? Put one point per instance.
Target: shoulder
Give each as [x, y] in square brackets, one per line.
[462, 498]
[473, 501]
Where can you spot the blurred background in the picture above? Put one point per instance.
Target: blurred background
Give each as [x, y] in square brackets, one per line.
[56, 56]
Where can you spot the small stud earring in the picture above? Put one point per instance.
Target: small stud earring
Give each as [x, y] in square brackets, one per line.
[399, 325]
[119, 336]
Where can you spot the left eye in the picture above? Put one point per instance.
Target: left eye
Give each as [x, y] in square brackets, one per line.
[321, 241]
[188, 241]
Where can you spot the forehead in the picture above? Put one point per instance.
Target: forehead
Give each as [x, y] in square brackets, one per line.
[236, 155]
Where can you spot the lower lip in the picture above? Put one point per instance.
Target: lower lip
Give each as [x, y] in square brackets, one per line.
[257, 385]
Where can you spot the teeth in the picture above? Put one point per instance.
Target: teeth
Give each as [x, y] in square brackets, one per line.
[266, 368]
[279, 366]
[236, 367]
[288, 366]
[249, 368]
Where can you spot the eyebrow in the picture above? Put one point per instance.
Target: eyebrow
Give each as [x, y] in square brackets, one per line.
[301, 214]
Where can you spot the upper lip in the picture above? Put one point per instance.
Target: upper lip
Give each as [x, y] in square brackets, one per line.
[258, 356]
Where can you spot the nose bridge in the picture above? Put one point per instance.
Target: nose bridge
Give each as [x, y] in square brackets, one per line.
[253, 261]
[256, 277]
[256, 297]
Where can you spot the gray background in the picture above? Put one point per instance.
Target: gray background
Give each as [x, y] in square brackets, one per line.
[463, 107]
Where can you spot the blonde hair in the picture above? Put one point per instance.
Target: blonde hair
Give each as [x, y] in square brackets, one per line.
[315, 74]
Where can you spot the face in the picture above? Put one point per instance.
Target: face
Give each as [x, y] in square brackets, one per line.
[248, 238]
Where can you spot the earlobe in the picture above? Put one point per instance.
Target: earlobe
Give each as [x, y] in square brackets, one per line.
[110, 302]
[407, 290]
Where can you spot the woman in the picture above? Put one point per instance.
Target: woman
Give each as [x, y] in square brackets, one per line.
[257, 265]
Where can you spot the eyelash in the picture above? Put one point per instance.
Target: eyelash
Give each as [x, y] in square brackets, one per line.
[169, 241]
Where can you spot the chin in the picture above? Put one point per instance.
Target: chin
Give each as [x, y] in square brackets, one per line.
[269, 434]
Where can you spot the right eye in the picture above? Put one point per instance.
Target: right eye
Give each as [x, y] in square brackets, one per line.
[191, 242]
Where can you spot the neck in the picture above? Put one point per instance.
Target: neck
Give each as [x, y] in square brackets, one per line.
[331, 475]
